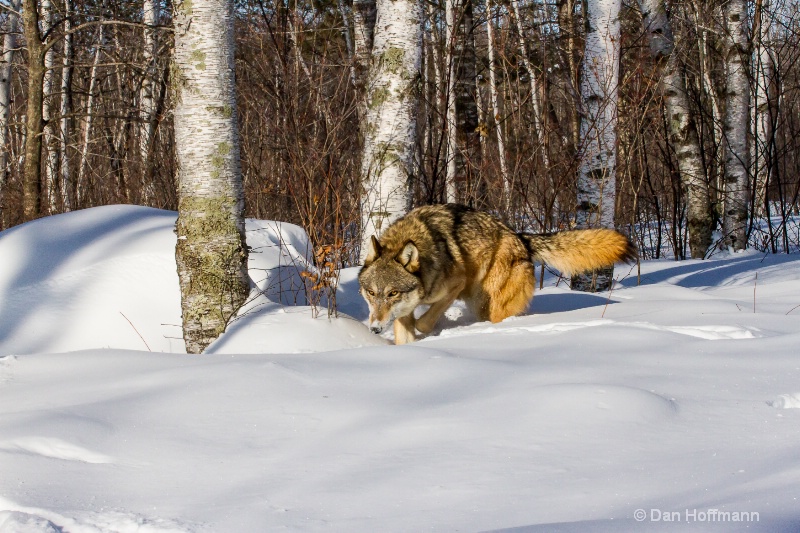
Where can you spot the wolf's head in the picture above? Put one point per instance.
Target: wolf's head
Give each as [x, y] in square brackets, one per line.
[389, 283]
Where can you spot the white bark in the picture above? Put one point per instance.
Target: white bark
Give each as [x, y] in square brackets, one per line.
[146, 93]
[682, 130]
[66, 109]
[211, 253]
[50, 139]
[763, 105]
[597, 178]
[737, 114]
[6, 62]
[450, 101]
[598, 154]
[390, 130]
[498, 127]
[87, 127]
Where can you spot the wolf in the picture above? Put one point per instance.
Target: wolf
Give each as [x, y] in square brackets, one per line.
[439, 253]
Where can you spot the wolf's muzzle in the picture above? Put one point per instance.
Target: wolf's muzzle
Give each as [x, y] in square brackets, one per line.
[376, 329]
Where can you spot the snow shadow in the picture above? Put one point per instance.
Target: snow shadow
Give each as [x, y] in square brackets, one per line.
[710, 272]
[36, 254]
[566, 301]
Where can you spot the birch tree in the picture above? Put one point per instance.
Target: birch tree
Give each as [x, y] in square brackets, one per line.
[763, 105]
[66, 109]
[495, 101]
[390, 127]
[682, 129]
[598, 154]
[211, 252]
[6, 64]
[146, 94]
[50, 139]
[735, 122]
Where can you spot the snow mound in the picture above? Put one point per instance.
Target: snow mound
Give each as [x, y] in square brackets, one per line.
[106, 278]
[786, 401]
[600, 404]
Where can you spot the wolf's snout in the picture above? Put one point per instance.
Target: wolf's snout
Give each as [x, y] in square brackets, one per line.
[376, 329]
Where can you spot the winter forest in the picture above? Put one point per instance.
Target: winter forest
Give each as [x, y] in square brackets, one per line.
[676, 122]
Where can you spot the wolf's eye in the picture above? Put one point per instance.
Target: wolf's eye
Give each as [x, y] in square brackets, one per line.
[393, 294]
[370, 292]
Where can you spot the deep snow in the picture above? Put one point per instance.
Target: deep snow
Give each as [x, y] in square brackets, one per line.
[675, 398]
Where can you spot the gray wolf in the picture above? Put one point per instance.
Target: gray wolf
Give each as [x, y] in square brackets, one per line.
[439, 253]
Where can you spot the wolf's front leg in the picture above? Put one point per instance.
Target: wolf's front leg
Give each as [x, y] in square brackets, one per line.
[404, 329]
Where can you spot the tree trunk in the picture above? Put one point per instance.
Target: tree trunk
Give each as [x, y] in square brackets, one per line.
[682, 129]
[6, 62]
[535, 90]
[388, 164]
[50, 139]
[211, 252]
[66, 110]
[737, 114]
[34, 123]
[82, 186]
[468, 155]
[763, 106]
[597, 172]
[501, 146]
[146, 98]
[451, 187]
[364, 14]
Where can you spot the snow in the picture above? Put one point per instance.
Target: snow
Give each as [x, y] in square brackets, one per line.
[676, 396]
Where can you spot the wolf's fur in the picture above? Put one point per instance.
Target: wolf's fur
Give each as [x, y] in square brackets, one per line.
[439, 253]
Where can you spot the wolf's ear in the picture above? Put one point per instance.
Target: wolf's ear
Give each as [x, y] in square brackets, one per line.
[374, 250]
[409, 257]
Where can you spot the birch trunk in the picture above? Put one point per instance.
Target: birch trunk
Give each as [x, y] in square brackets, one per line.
[211, 253]
[66, 110]
[390, 130]
[598, 157]
[50, 139]
[763, 106]
[34, 123]
[682, 129]
[737, 113]
[498, 127]
[146, 96]
[81, 185]
[451, 187]
[6, 62]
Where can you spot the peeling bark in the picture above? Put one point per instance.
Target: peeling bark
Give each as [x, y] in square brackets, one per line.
[737, 113]
[390, 130]
[682, 129]
[211, 253]
[597, 172]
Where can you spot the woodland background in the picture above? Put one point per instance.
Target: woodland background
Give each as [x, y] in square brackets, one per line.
[108, 102]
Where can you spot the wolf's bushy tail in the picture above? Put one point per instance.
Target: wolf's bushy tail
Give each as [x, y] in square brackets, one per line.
[573, 252]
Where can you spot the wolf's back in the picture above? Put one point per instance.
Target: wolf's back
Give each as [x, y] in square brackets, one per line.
[573, 252]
